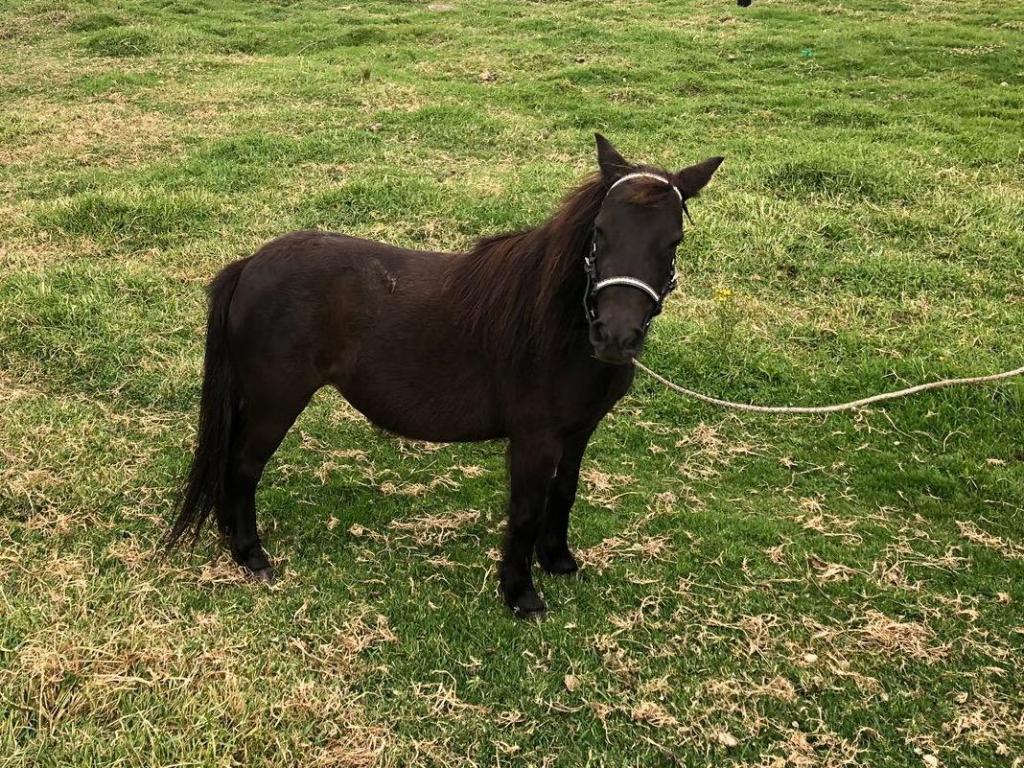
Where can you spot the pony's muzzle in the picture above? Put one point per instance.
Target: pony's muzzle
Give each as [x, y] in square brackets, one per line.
[616, 345]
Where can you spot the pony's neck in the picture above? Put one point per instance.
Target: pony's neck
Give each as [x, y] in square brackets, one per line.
[521, 293]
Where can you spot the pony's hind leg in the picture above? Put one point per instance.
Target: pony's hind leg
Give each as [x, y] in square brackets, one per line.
[264, 423]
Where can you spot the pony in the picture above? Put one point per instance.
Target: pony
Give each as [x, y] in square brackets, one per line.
[528, 337]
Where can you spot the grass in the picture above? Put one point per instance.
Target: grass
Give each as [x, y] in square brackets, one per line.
[756, 591]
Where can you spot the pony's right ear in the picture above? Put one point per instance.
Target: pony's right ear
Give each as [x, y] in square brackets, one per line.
[692, 180]
[612, 164]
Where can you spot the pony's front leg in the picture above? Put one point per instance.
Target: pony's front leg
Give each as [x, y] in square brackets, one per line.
[532, 461]
[552, 545]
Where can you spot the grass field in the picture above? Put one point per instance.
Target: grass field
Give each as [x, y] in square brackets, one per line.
[756, 591]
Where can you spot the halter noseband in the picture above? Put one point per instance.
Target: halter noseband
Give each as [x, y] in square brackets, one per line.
[590, 264]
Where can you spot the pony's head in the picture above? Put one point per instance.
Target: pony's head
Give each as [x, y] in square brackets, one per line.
[631, 263]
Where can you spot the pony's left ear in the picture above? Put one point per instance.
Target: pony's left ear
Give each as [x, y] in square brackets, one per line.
[692, 180]
[612, 164]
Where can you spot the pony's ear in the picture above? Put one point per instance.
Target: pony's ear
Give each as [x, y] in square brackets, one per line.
[612, 164]
[692, 180]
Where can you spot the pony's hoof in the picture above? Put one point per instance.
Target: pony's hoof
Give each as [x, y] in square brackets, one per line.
[266, 575]
[559, 565]
[528, 605]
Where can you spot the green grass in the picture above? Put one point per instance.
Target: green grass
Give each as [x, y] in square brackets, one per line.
[756, 591]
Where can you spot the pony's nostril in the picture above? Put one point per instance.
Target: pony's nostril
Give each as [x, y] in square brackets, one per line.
[615, 343]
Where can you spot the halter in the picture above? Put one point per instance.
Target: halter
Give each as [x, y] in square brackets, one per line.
[590, 264]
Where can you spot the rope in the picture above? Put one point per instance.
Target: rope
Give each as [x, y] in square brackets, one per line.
[829, 408]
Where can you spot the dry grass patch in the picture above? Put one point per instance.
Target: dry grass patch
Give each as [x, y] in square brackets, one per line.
[976, 535]
[50, 468]
[813, 516]
[876, 633]
[434, 530]
[109, 133]
[984, 716]
[604, 489]
[614, 550]
[708, 451]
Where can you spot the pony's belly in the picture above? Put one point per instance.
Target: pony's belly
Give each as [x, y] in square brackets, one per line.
[433, 433]
[417, 416]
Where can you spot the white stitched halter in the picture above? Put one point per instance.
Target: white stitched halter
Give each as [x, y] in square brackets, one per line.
[591, 261]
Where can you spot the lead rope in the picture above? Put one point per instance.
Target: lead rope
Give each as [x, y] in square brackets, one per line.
[590, 265]
[829, 408]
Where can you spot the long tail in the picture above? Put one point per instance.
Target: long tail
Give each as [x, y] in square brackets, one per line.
[218, 412]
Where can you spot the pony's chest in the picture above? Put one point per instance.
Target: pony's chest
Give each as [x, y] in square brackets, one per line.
[589, 398]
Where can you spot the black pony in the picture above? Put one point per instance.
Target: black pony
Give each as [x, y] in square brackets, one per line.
[529, 336]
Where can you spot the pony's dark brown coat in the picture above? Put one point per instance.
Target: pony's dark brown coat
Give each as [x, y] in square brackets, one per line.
[489, 344]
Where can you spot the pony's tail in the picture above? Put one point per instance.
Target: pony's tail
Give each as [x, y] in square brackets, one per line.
[218, 413]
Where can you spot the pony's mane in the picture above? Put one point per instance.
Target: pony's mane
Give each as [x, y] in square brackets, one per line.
[514, 290]
[521, 292]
